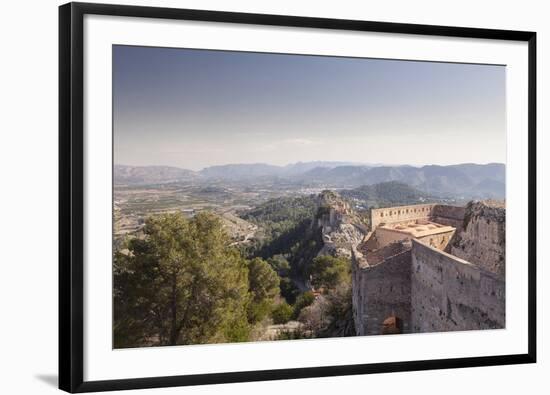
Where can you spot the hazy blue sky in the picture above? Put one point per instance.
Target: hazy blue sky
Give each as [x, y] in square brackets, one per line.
[196, 108]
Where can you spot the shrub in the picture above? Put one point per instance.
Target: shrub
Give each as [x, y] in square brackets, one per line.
[288, 290]
[282, 313]
[304, 300]
[294, 334]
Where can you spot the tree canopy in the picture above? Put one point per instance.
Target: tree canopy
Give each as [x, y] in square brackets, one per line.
[328, 272]
[264, 287]
[182, 283]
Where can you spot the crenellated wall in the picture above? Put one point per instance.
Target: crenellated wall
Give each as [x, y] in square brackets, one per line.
[440, 213]
[401, 213]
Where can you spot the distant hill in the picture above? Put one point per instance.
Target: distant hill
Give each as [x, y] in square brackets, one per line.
[469, 181]
[248, 171]
[489, 189]
[302, 167]
[386, 194]
[464, 180]
[132, 175]
[242, 171]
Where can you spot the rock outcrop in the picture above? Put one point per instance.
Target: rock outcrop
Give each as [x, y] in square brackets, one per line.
[482, 240]
[341, 228]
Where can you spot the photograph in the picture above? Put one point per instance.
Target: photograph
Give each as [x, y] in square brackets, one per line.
[265, 196]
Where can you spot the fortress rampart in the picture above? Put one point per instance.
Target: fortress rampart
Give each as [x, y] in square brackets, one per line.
[448, 215]
[385, 291]
[431, 268]
[449, 293]
[400, 214]
[440, 213]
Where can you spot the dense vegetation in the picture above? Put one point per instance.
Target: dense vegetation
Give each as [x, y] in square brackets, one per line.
[281, 211]
[283, 222]
[328, 314]
[288, 240]
[327, 272]
[386, 194]
[290, 244]
[182, 284]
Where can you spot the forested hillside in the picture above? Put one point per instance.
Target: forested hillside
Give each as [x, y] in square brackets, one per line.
[284, 223]
[386, 194]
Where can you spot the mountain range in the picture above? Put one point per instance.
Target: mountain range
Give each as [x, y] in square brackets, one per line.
[465, 180]
[137, 175]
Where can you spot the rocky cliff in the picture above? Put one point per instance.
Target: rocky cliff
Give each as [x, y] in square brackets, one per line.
[341, 228]
[482, 240]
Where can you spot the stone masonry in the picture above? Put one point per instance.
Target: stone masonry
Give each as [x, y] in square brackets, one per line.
[431, 268]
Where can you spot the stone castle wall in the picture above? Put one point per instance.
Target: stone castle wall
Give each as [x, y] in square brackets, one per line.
[429, 290]
[449, 215]
[440, 213]
[483, 239]
[382, 291]
[439, 240]
[387, 236]
[455, 281]
[399, 214]
[449, 294]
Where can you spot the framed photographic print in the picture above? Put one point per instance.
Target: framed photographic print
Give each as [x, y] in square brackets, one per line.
[251, 197]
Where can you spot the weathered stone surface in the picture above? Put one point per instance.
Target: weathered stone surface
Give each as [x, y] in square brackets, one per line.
[438, 284]
[400, 214]
[448, 215]
[341, 228]
[449, 294]
[381, 291]
[483, 239]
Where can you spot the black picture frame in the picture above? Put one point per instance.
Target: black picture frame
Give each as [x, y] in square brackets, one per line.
[71, 182]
